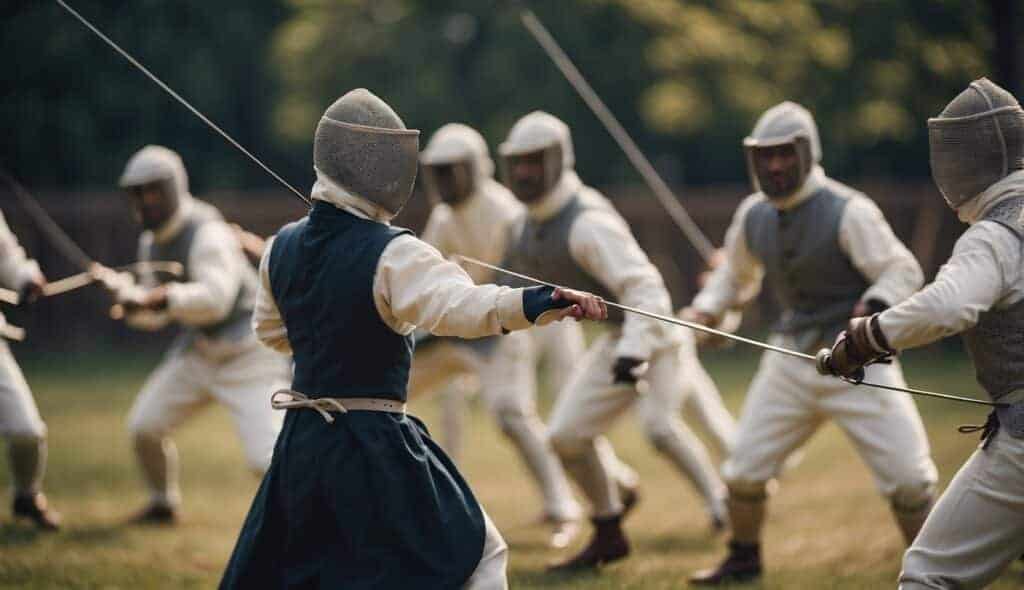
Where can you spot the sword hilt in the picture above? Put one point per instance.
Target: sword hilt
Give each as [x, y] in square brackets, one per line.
[823, 362]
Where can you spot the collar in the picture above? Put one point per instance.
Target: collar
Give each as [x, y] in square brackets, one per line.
[975, 209]
[173, 225]
[815, 180]
[553, 202]
[326, 190]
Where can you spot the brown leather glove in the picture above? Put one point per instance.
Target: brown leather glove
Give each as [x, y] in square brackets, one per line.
[862, 343]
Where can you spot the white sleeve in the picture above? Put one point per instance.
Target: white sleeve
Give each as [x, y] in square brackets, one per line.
[869, 242]
[985, 261]
[266, 318]
[738, 279]
[604, 247]
[215, 263]
[414, 286]
[16, 268]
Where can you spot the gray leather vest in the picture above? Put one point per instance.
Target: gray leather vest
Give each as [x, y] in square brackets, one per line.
[541, 249]
[996, 342]
[235, 326]
[812, 278]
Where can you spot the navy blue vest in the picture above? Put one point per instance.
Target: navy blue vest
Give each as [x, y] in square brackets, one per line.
[322, 269]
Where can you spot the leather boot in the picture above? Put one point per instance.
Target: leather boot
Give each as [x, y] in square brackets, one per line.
[35, 508]
[608, 544]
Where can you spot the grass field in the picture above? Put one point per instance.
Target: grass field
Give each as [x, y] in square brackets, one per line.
[827, 527]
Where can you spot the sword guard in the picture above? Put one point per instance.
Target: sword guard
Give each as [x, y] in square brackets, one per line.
[823, 362]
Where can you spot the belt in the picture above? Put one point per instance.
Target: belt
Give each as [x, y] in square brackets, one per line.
[325, 405]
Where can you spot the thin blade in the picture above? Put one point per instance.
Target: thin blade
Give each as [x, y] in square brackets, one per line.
[750, 341]
[181, 100]
[658, 186]
[9, 296]
[53, 232]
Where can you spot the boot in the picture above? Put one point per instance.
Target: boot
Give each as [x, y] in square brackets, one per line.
[35, 508]
[608, 544]
[743, 564]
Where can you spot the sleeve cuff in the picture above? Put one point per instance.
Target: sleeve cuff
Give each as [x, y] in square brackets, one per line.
[511, 315]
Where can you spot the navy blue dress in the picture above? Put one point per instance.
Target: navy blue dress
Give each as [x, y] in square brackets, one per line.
[368, 501]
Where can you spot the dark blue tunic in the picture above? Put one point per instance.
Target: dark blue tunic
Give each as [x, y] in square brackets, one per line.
[368, 501]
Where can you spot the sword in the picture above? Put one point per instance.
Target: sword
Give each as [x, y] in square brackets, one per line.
[53, 232]
[736, 338]
[640, 162]
[82, 279]
[9, 296]
[181, 100]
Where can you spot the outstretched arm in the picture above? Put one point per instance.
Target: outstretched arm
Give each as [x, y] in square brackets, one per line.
[415, 286]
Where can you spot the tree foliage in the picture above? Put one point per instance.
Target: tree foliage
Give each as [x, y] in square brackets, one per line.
[688, 78]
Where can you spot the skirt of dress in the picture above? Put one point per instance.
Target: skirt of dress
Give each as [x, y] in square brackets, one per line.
[368, 501]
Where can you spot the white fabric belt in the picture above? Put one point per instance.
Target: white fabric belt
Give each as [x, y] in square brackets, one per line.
[325, 405]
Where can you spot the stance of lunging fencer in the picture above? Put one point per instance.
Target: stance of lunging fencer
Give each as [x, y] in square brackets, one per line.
[20, 422]
[358, 495]
[216, 356]
[574, 236]
[473, 216]
[977, 156]
[828, 254]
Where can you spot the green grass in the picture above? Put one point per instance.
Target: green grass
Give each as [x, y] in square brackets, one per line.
[827, 527]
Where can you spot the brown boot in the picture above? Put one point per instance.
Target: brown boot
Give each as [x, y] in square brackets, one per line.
[608, 544]
[35, 508]
[743, 564]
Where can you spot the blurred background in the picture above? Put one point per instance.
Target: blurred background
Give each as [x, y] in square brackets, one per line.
[687, 79]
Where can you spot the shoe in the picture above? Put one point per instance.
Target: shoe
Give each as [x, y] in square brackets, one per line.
[743, 564]
[607, 545]
[156, 514]
[35, 508]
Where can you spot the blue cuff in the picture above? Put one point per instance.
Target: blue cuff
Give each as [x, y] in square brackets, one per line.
[537, 300]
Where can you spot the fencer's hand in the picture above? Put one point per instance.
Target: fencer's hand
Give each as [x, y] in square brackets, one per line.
[856, 347]
[32, 290]
[113, 281]
[585, 306]
[154, 299]
[628, 369]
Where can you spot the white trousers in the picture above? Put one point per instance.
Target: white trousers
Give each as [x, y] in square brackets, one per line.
[187, 381]
[19, 416]
[21, 425]
[507, 379]
[591, 402]
[977, 528]
[788, 400]
[490, 573]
